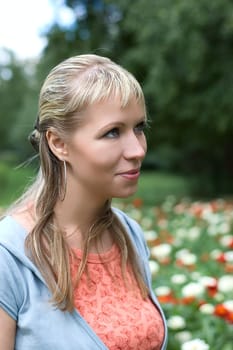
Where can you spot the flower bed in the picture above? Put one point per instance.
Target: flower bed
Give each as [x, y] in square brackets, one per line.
[191, 246]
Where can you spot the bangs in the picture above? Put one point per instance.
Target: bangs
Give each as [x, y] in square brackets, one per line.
[82, 81]
[99, 83]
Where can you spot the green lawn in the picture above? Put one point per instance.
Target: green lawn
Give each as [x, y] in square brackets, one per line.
[13, 181]
[154, 187]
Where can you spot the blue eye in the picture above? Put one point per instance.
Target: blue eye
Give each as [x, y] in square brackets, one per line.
[140, 128]
[113, 133]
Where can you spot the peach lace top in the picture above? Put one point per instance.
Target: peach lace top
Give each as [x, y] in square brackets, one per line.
[117, 314]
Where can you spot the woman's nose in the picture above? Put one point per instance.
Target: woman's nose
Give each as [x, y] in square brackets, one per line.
[135, 147]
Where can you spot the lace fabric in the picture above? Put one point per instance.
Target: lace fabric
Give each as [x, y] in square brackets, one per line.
[117, 313]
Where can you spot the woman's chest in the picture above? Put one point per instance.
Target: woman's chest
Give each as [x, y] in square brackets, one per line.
[115, 310]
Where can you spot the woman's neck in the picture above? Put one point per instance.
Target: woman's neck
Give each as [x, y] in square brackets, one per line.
[75, 222]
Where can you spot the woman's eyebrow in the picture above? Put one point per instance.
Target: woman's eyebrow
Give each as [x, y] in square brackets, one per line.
[111, 125]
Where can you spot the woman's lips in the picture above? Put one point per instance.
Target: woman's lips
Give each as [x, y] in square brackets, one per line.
[131, 174]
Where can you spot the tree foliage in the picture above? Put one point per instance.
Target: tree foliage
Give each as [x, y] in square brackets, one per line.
[184, 50]
[13, 86]
[91, 32]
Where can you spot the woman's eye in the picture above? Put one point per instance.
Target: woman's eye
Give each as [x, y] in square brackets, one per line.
[113, 133]
[140, 127]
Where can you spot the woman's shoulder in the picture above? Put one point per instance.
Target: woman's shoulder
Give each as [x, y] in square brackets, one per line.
[12, 245]
[24, 218]
[22, 214]
[12, 232]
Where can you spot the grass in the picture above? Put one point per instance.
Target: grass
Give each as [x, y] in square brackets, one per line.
[13, 181]
[153, 187]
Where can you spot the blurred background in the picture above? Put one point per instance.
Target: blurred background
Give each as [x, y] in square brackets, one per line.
[181, 51]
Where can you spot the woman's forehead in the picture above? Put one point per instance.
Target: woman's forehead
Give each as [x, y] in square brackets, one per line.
[111, 110]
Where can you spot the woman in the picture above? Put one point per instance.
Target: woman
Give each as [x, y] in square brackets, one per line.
[73, 270]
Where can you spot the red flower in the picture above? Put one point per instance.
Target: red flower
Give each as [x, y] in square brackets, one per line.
[221, 258]
[229, 317]
[230, 245]
[212, 289]
[180, 263]
[137, 202]
[220, 310]
[223, 312]
[167, 298]
[187, 300]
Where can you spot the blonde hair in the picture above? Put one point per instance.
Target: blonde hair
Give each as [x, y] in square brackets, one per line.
[68, 90]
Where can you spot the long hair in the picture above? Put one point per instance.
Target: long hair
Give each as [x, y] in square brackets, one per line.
[68, 90]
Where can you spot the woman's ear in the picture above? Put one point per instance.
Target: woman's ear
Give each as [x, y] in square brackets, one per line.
[56, 144]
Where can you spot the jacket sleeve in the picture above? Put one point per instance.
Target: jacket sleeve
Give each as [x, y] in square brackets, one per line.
[10, 283]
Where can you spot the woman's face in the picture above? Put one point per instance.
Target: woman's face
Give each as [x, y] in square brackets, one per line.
[105, 153]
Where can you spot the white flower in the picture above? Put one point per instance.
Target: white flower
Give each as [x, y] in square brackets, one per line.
[219, 297]
[161, 251]
[178, 278]
[218, 227]
[183, 336]
[177, 242]
[224, 228]
[192, 290]
[214, 254]
[213, 219]
[195, 275]
[207, 309]
[136, 214]
[180, 253]
[181, 233]
[186, 257]
[154, 267]
[226, 240]
[176, 322]
[162, 290]
[146, 222]
[212, 230]
[207, 213]
[228, 305]
[195, 344]
[150, 235]
[207, 281]
[229, 256]
[169, 202]
[194, 233]
[225, 284]
[189, 259]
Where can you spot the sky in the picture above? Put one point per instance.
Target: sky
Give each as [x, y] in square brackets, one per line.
[23, 21]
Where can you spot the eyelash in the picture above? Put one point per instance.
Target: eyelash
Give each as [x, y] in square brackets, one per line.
[141, 126]
[138, 130]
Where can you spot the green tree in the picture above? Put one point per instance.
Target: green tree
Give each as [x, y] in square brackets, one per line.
[13, 89]
[91, 32]
[182, 52]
